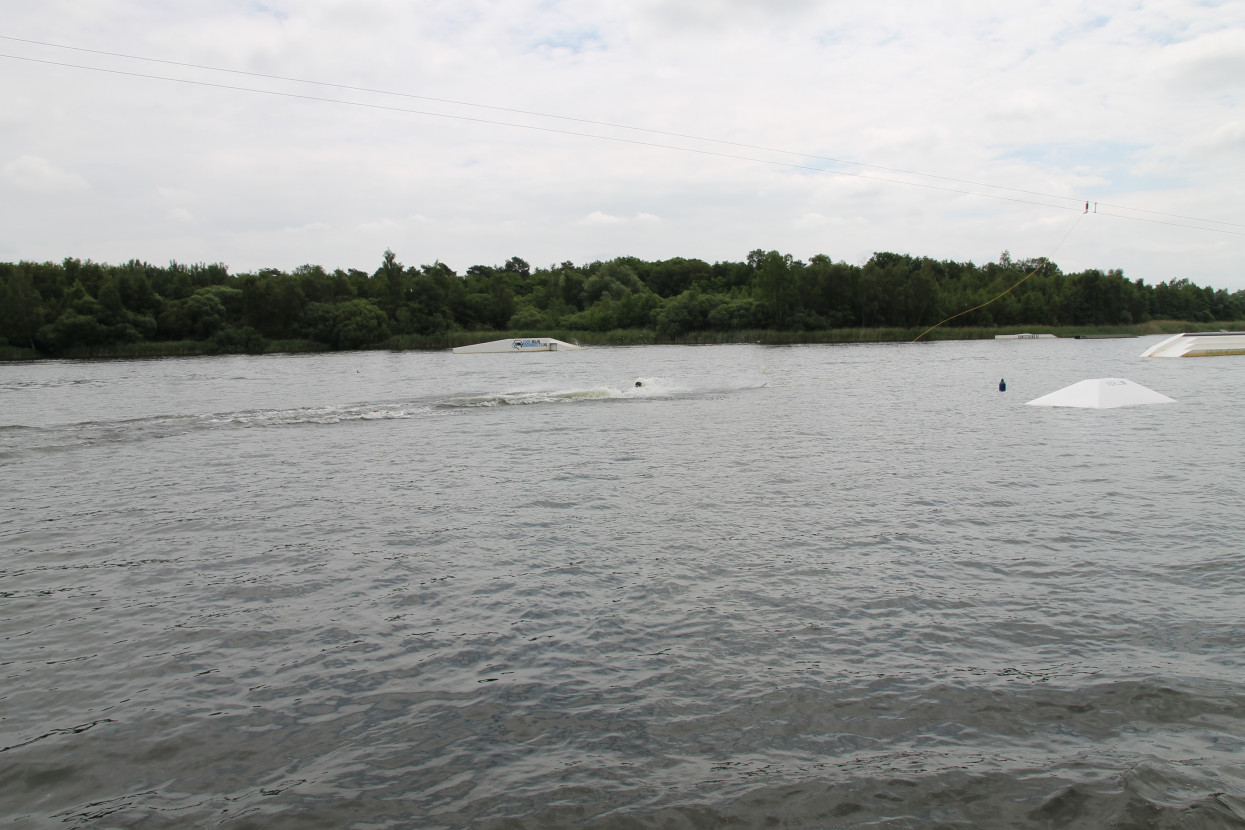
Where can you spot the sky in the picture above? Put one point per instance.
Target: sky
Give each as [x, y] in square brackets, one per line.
[282, 133]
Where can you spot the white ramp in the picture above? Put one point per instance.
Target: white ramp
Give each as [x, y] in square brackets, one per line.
[1102, 393]
[519, 344]
[1199, 344]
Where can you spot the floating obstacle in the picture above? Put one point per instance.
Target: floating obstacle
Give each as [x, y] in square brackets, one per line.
[1199, 344]
[519, 344]
[1102, 393]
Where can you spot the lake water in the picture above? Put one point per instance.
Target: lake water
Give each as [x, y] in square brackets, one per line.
[816, 586]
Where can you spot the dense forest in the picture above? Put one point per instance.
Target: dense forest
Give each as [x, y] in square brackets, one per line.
[75, 306]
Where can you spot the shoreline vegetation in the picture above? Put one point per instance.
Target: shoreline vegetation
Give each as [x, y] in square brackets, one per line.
[627, 337]
[81, 309]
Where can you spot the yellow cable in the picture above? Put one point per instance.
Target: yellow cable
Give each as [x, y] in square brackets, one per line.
[875, 367]
[1004, 293]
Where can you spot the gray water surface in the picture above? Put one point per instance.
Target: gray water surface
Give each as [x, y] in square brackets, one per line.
[817, 586]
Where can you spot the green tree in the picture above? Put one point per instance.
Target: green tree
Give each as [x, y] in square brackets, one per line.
[775, 286]
[21, 308]
[71, 329]
[359, 323]
[687, 312]
[393, 279]
[920, 296]
[830, 288]
[672, 277]
[737, 315]
[273, 303]
[527, 318]
[515, 265]
[137, 294]
[197, 317]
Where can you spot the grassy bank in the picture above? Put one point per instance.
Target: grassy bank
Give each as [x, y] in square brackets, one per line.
[173, 348]
[626, 337]
[8, 353]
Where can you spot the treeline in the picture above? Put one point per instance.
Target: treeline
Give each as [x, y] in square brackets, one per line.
[71, 306]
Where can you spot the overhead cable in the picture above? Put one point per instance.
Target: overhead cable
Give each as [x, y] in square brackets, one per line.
[712, 153]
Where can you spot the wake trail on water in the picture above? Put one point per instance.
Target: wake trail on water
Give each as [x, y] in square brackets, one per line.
[16, 439]
[649, 388]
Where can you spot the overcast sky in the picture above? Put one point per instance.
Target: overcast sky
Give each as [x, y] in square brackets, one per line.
[564, 132]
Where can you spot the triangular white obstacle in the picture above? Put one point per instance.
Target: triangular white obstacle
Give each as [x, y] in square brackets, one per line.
[1102, 393]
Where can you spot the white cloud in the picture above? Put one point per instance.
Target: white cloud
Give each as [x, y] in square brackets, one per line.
[812, 220]
[598, 217]
[38, 175]
[1227, 139]
[1211, 63]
